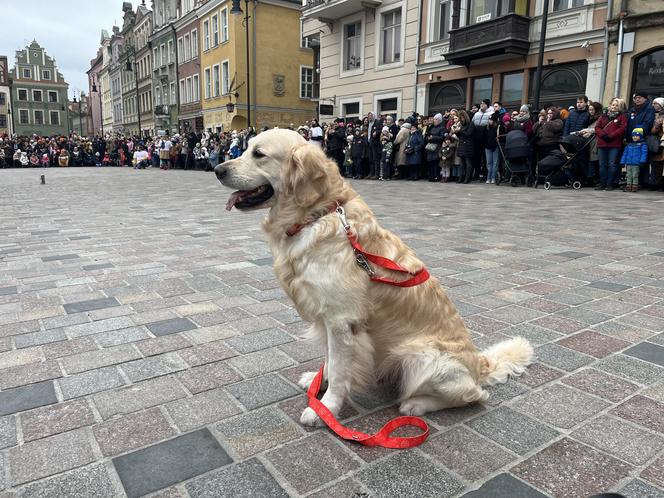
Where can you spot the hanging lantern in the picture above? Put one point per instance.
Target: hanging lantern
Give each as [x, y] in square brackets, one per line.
[230, 107]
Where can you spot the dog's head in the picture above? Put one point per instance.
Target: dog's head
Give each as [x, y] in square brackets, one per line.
[278, 164]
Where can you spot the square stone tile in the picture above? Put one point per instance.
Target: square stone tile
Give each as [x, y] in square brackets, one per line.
[206, 353]
[323, 457]
[6, 291]
[39, 338]
[262, 391]
[514, 314]
[303, 350]
[483, 324]
[562, 358]
[469, 455]
[89, 481]
[209, 376]
[614, 436]
[257, 431]
[211, 334]
[99, 358]
[16, 358]
[568, 468]
[29, 374]
[640, 489]
[609, 286]
[122, 336]
[561, 324]
[655, 472]
[504, 485]
[647, 351]
[153, 366]
[408, 473]
[202, 409]
[643, 411]
[170, 462]
[54, 419]
[261, 362]
[249, 479]
[559, 406]
[27, 397]
[584, 315]
[90, 305]
[259, 340]
[538, 374]
[90, 382]
[631, 369]
[453, 416]
[655, 392]
[534, 334]
[139, 396]
[601, 384]
[129, 432]
[594, 344]
[171, 326]
[48, 456]
[96, 327]
[572, 254]
[8, 432]
[512, 429]
[70, 347]
[163, 344]
[341, 489]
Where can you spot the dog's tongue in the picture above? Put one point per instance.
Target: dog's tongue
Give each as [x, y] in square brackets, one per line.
[233, 199]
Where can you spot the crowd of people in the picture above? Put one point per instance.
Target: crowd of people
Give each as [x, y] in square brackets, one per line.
[622, 145]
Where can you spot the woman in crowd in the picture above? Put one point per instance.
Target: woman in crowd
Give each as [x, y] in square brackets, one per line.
[549, 132]
[610, 130]
[463, 132]
[657, 160]
[434, 138]
[414, 148]
[592, 168]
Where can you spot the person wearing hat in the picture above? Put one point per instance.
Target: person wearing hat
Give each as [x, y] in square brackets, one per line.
[657, 160]
[435, 135]
[641, 114]
[634, 157]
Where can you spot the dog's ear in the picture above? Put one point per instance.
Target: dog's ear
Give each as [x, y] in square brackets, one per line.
[305, 177]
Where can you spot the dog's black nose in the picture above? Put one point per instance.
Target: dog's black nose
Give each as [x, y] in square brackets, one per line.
[220, 170]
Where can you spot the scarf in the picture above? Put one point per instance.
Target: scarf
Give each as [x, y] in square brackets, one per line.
[522, 119]
[612, 115]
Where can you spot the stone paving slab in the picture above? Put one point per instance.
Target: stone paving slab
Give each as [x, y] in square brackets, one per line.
[159, 354]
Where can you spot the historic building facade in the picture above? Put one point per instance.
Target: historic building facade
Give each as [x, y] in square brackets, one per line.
[366, 55]
[472, 50]
[115, 75]
[39, 94]
[128, 72]
[142, 32]
[190, 116]
[94, 117]
[164, 65]
[5, 98]
[104, 83]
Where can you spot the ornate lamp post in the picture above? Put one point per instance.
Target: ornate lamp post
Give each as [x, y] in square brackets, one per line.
[237, 10]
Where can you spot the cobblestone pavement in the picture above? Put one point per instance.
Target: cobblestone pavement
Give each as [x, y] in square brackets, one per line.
[145, 346]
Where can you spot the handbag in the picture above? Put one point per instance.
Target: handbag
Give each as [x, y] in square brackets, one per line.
[431, 147]
[654, 144]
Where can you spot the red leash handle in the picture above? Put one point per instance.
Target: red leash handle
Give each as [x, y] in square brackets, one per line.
[380, 438]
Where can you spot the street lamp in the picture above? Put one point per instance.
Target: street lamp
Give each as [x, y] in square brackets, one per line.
[101, 112]
[80, 120]
[540, 58]
[237, 10]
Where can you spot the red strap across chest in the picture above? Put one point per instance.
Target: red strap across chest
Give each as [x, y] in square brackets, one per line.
[380, 438]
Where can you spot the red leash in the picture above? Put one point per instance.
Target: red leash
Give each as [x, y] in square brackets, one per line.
[380, 438]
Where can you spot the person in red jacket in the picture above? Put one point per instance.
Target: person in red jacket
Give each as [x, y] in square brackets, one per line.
[610, 131]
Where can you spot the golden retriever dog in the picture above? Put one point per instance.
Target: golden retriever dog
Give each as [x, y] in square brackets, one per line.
[370, 330]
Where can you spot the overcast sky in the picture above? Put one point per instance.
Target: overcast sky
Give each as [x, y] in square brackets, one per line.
[69, 30]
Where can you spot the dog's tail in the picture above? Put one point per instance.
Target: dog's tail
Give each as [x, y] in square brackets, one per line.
[510, 357]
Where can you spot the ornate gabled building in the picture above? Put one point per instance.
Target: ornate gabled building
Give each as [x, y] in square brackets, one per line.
[128, 74]
[5, 98]
[39, 94]
[164, 65]
[142, 31]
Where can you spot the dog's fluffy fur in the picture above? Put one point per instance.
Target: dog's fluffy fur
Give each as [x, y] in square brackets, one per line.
[413, 335]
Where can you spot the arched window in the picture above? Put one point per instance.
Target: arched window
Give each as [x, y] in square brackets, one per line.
[448, 95]
[561, 85]
[648, 73]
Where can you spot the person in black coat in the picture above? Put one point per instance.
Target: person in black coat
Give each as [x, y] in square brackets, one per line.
[375, 125]
[336, 141]
[463, 131]
[434, 138]
[358, 151]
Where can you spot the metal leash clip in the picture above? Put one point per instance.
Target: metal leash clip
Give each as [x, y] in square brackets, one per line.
[342, 216]
[363, 263]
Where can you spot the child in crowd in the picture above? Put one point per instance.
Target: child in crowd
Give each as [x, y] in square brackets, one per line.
[107, 159]
[635, 155]
[446, 159]
[45, 161]
[385, 154]
[348, 158]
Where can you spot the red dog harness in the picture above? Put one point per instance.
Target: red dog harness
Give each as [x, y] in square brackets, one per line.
[382, 437]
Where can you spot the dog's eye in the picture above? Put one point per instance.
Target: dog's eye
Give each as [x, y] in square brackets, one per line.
[258, 154]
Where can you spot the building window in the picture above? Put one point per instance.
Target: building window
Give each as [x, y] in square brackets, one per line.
[511, 89]
[206, 35]
[157, 96]
[563, 83]
[215, 80]
[182, 95]
[37, 96]
[206, 80]
[566, 4]
[24, 116]
[305, 41]
[38, 117]
[648, 73]
[171, 55]
[224, 25]
[225, 77]
[194, 43]
[350, 110]
[23, 95]
[27, 73]
[54, 116]
[3, 98]
[155, 58]
[306, 82]
[189, 89]
[485, 10]
[482, 88]
[3, 120]
[442, 19]
[215, 30]
[180, 50]
[390, 43]
[46, 74]
[174, 99]
[388, 107]
[162, 54]
[187, 47]
[196, 90]
[352, 46]
[448, 95]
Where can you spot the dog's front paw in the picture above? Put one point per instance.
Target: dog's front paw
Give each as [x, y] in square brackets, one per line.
[413, 406]
[309, 418]
[306, 379]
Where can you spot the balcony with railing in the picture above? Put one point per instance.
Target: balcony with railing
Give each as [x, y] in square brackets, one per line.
[507, 35]
[161, 110]
[332, 10]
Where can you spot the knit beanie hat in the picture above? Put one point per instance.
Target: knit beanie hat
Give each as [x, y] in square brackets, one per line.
[638, 131]
[524, 108]
[659, 100]
[438, 116]
[385, 129]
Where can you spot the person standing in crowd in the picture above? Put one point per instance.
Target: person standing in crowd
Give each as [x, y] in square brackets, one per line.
[592, 167]
[610, 130]
[413, 151]
[548, 132]
[634, 157]
[358, 151]
[641, 114]
[316, 134]
[400, 157]
[335, 143]
[140, 158]
[434, 139]
[578, 118]
[375, 127]
[657, 160]
[491, 148]
[387, 146]
[480, 122]
[463, 131]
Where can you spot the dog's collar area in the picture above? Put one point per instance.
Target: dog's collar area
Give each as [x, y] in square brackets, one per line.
[297, 227]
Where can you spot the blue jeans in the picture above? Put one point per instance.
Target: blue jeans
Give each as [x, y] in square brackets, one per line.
[608, 165]
[491, 163]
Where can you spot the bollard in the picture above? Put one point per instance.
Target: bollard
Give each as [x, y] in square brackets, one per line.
[43, 179]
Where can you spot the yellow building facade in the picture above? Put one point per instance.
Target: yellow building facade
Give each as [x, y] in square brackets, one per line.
[280, 69]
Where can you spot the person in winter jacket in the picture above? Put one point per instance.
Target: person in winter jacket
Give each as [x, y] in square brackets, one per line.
[610, 130]
[447, 152]
[400, 149]
[463, 131]
[386, 140]
[641, 114]
[413, 150]
[434, 138]
[359, 149]
[634, 156]
[548, 132]
[578, 118]
[657, 160]
[491, 149]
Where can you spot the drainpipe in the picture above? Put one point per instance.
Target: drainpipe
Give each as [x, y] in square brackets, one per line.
[605, 53]
[621, 33]
[417, 52]
[253, 89]
[177, 72]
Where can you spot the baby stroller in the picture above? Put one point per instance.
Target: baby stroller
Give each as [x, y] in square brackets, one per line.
[559, 168]
[515, 159]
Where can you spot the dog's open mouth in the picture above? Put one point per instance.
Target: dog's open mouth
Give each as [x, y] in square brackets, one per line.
[247, 199]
